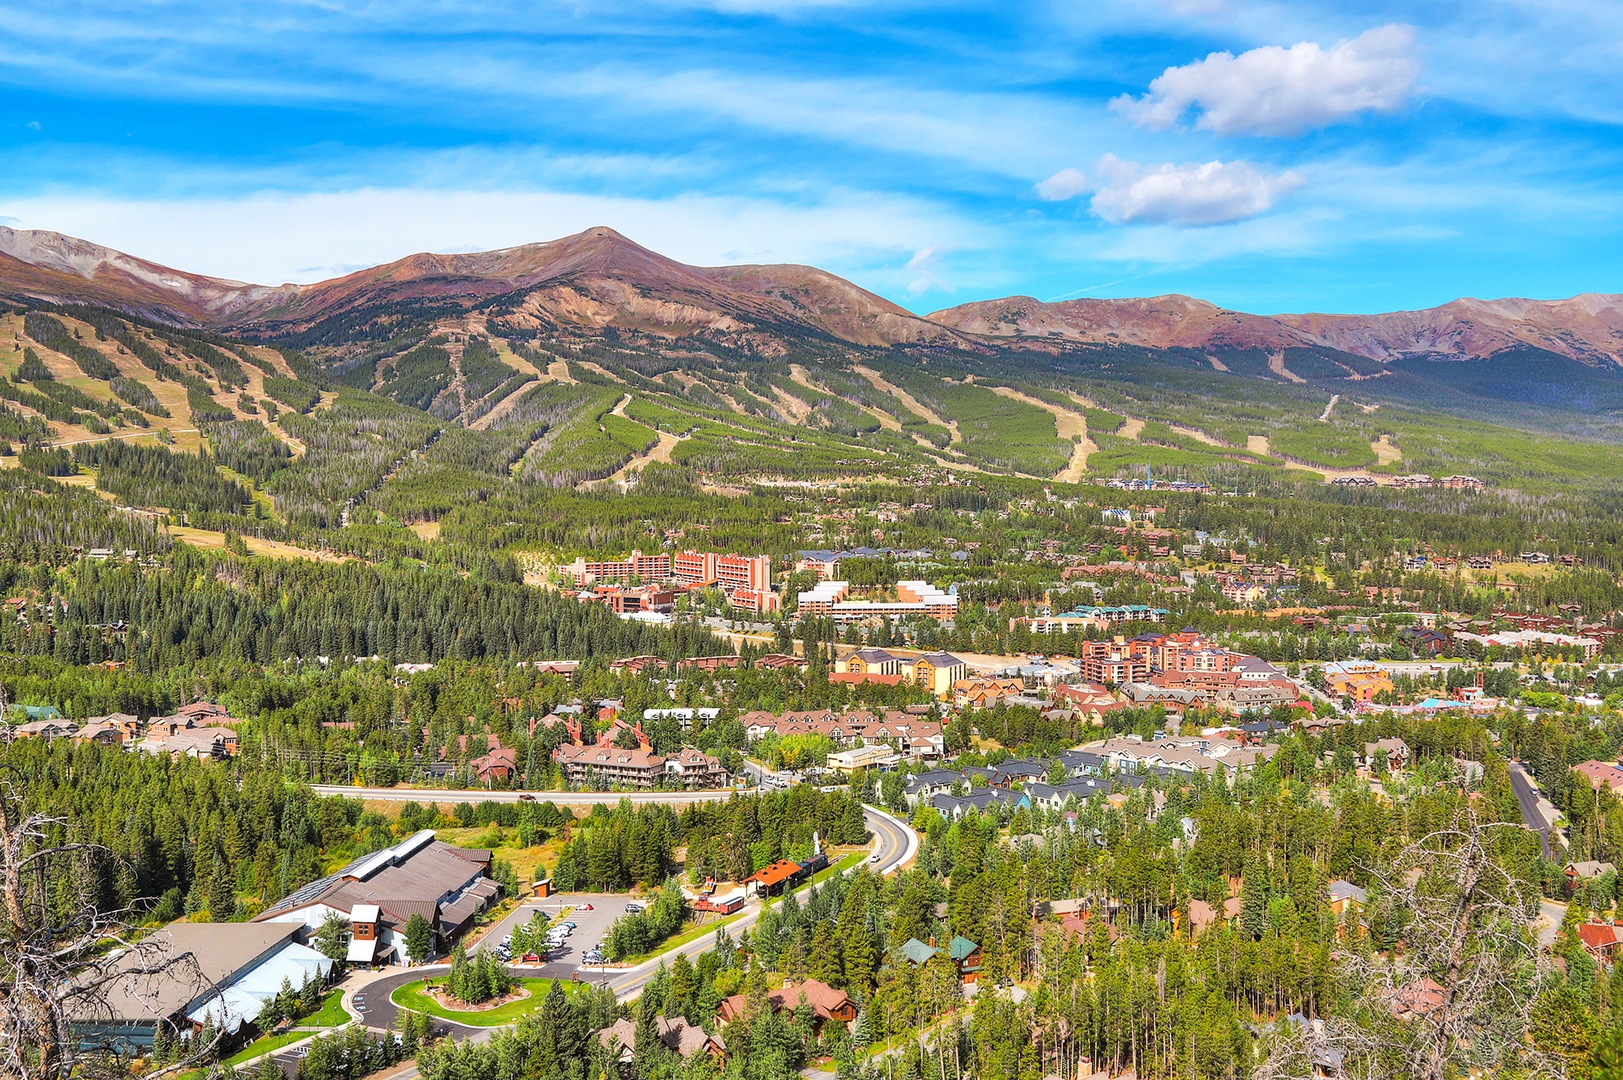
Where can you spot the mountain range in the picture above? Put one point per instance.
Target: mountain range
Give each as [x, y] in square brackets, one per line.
[598, 280]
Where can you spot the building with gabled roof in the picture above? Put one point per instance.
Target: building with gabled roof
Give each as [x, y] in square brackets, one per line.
[380, 892]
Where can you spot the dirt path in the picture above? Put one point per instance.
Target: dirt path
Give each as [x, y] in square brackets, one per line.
[886, 421]
[1328, 409]
[881, 383]
[661, 452]
[1070, 426]
[208, 538]
[1194, 433]
[1131, 428]
[1276, 364]
[600, 369]
[1257, 444]
[150, 433]
[1386, 451]
[1217, 364]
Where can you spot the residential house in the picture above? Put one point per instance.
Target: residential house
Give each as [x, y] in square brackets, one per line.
[1386, 755]
[1345, 896]
[675, 1033]
[1601, 774]
[827, 1005]
[964, 954]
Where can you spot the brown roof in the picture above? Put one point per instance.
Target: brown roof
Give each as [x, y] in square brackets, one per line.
[202, 955]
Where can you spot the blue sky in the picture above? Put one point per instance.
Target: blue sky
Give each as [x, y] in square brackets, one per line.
[1266, 156]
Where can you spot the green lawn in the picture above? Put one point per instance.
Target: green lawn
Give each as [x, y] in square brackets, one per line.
[411, 996]
[331, 1013]
[264, 1045]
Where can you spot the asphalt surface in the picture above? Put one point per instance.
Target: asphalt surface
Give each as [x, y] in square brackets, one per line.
[1527, 797]
[894, 844]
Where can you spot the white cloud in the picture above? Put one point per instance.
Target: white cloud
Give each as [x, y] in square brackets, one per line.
[1065, 184]
[1192, 194]
[1279, 91]
[271, 238]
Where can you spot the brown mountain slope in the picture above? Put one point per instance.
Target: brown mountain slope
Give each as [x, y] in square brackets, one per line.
[588, 281]
[64, 269]
[598, 278]
[1588, 328]
[1158, 322]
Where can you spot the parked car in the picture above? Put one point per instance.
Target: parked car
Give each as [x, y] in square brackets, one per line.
[632, 909]
[584, 907]
[532, 958]
[571, 925]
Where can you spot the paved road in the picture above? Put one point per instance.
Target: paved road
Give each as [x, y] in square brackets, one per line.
[894, 845]
[1527, 796]
[566, 798]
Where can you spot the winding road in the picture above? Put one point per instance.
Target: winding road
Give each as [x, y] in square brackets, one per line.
[894, 845]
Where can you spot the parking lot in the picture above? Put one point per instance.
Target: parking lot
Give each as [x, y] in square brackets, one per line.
[591, 927]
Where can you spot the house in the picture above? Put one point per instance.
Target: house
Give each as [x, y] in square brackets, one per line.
[1601, 774]
[1599, 939]
[925, 785]
[695, 769]
[202, 742]
[101, 734]
[1344, 896]
[980, 800]
[500, 764]
[1386, 755]
[674, 1032]
[827, 1005]
[964, 954]
[1423, 640]
[378, 894]
[869, 662]
[44, 729]
[1055, 796]
[186, 974]
[1014, 771]
[1360, 680]
[1579, 872]
[1421, 998]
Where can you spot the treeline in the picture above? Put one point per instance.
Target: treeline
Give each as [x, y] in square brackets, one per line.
[267, 612]
[173, 837]
[153, 476]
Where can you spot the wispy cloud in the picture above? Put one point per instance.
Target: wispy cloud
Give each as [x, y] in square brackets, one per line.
[1278, 91]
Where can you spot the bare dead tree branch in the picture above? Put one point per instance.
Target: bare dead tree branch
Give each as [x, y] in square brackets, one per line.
[59, 960]
[1457, 993]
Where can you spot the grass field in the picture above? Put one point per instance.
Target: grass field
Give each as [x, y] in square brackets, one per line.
[412, 996]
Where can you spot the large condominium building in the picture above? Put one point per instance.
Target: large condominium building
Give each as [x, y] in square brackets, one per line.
[612, 767]
[649, 567]
[832, 599]
[747, 579]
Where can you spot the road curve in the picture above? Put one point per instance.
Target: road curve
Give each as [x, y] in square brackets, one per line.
[895, 844]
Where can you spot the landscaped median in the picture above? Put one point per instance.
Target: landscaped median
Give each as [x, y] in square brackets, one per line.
[415, 996]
